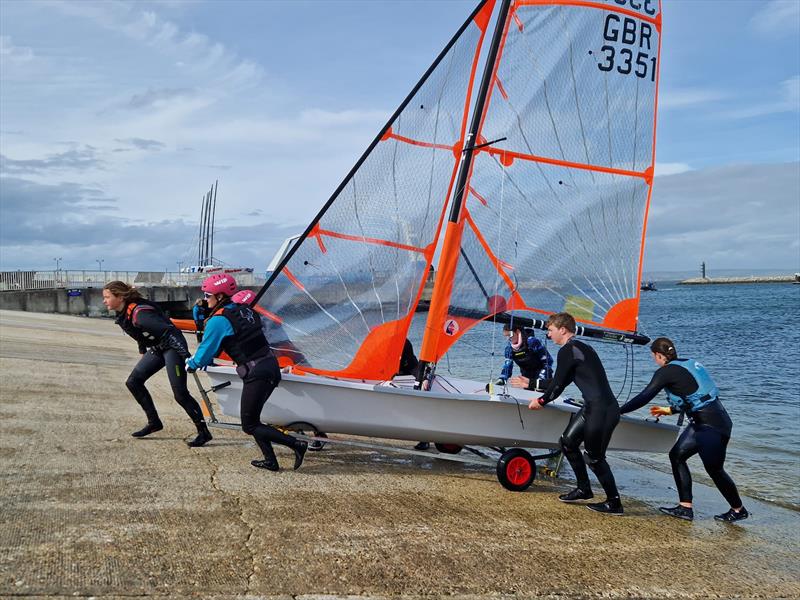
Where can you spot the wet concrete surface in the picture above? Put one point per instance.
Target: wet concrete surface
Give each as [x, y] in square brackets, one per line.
[88, 511]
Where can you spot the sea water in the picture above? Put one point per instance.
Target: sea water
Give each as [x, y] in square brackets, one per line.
[747, 336]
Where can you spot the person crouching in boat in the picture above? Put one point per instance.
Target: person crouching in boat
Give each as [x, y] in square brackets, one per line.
[236, 329]
[594, 423]
[691, 389]
[526, 351]
[161, 345]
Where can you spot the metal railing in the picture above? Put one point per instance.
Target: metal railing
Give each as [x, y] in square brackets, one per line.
[67, 279]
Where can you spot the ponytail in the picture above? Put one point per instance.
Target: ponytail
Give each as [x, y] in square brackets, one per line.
[664, 346]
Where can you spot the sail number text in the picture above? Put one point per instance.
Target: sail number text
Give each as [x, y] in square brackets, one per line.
[632, 48]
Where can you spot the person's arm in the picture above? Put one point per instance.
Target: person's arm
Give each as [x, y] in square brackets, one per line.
[152, 323]
[565, 373]
[217, 329]
[646, 395]
[508, 364]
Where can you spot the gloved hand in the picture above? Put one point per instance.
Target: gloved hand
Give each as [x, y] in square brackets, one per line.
[188, 368]
[660, 411]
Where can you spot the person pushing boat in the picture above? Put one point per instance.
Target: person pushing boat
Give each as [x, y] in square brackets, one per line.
[161, 345]
[526, 351]
[593, 424]
[236, 329]
[691, 389]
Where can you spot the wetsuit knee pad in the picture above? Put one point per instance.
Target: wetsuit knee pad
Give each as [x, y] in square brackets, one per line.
[567, 443]
[592, 462]
[134, 383]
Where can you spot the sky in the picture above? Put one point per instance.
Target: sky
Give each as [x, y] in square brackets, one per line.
[117, 117]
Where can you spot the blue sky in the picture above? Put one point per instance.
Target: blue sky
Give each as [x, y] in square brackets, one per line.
[116, 118]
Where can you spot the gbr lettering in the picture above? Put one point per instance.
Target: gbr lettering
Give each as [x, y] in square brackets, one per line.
[630, 48]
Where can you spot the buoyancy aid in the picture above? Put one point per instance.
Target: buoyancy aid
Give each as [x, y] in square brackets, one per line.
[707, 391]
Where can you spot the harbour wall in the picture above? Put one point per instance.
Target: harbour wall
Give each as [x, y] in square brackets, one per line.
[88, 302]
[753, 279]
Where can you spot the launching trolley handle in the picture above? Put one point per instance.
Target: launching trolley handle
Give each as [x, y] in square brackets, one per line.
[205, 404]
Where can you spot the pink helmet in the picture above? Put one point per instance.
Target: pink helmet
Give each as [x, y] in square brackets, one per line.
[219, 283]
[243, 297]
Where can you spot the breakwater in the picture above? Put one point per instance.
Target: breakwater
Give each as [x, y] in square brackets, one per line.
[751, 279]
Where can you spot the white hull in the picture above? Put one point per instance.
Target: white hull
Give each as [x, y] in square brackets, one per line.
[457, 411]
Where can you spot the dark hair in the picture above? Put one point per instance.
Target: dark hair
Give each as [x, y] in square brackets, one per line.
[664, 346]
[122, 289]
[562, 320]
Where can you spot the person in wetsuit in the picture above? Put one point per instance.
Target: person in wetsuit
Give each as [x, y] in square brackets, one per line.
[199, 311]
[161, 345]
[593, 424]
[691, 389]
[526, 351]
[236, 329]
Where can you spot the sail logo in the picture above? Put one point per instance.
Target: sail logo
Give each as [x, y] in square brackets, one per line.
[451, 327]
[630, 52]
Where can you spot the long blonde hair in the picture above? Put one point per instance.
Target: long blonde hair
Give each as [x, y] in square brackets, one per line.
[123, 290]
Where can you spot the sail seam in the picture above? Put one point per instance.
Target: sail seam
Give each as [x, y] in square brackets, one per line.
[589, 4]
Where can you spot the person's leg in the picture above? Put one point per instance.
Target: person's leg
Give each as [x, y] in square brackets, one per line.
[600, 424]
[148, 365]
[712, 449]
[570, 442]
[176, 371]
[257, 389]
[686, 447]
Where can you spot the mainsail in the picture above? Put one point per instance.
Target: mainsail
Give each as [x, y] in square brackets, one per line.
[548, 190]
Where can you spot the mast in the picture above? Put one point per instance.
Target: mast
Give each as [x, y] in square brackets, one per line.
[451, 246]
[200, 235]
[213, 218]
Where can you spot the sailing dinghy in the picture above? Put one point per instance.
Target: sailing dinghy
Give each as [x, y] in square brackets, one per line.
[528, 186]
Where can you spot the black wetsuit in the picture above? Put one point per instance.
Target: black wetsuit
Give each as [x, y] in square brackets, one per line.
[708, 432]
[161, 344]
[595, 422]
[409, 365]
[258, 368]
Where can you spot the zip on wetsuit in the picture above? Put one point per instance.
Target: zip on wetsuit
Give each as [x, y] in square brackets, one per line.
[690, 388]
[161, 345]
[236, 329]
[594, 423]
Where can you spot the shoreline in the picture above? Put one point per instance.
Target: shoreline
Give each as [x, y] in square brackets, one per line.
[88, 510]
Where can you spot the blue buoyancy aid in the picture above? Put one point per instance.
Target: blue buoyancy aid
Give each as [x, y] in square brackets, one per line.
[707, 391]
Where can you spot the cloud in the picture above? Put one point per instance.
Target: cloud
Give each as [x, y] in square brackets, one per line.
[10, 52]
[142, 144]
[687, 98]
[79, 159]
[785, 99]
[192, 50]
[744, 216]
[777, 17]
[156, 97]
[80, 224]
[671, 168]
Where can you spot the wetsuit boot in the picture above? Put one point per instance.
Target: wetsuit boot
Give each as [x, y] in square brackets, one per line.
[203, 436]
[269, 462]
[679, 512]
[732, 515]
[612, 506]
[576, 494]
[300, 447]
[151, 427]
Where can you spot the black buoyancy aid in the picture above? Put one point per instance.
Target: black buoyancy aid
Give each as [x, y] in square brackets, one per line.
[125, 320]
[248, 342]
[528, 361]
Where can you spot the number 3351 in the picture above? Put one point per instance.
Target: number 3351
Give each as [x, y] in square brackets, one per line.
[642, 65]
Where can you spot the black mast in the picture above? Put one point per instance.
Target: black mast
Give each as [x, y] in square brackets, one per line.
[213, 218]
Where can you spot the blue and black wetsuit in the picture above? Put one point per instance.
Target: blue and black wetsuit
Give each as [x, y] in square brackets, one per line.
[594, 423]
[162, 345]
[532, 358]
[236, 329]
[690, 388]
